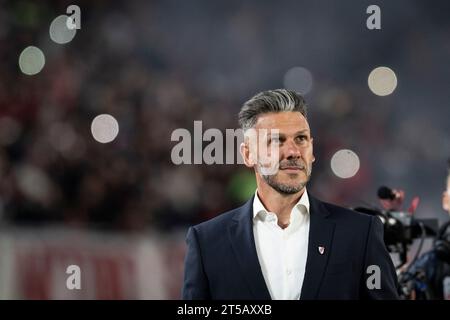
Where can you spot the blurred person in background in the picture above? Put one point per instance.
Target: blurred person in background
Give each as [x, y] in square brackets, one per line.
[283, 243]
[446, 193]
[429, 275]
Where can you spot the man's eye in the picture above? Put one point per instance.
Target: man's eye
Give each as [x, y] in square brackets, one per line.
[275, 140]
[302, 138]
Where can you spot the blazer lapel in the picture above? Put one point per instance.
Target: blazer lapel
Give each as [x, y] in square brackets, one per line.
[243, 243]
[321, 232]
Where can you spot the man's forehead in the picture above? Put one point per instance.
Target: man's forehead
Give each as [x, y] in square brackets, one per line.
[283, 121]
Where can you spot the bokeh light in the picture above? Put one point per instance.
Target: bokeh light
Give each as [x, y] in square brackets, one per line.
[382, 81]
[104, 128]
[62, 137]
[31, 60]
[298, 79]
[345, 163]
[59, 32]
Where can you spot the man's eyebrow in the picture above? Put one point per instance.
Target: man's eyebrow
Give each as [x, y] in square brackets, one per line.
[280, 134]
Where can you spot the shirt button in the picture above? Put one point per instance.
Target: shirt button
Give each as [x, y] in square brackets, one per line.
[288, 271]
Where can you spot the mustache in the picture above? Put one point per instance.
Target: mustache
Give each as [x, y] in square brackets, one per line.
[292, 164]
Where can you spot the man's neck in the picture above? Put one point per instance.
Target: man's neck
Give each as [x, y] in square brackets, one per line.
[280, 204]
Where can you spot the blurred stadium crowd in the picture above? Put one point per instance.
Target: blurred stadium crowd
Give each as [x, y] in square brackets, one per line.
[159, 65]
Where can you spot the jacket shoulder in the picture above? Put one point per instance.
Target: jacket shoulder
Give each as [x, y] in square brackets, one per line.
[347, 215]
[219, 222]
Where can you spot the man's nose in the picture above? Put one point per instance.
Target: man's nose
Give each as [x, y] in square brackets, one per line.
[292, 150]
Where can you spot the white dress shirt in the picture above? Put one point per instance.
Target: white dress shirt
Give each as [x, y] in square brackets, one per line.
[281, 252]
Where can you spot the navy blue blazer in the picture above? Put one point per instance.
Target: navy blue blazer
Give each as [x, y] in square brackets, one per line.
[221, 260]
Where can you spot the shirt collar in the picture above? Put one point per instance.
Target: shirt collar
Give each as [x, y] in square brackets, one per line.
[259, 209]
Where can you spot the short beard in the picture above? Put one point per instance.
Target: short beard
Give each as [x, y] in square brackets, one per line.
[286, 189]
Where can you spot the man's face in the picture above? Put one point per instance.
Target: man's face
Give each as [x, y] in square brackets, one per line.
[289, 134]
[446, 197]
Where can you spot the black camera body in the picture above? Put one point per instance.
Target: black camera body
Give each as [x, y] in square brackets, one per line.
[423, 278]
[401, 229]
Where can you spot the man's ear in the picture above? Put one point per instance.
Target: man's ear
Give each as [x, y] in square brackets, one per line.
[314, 158]
[246, 155]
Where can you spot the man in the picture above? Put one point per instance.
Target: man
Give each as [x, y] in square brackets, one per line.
[446, 193]
[429, 276]
[283, 243]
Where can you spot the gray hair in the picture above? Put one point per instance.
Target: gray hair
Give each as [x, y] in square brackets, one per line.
[278, 100]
